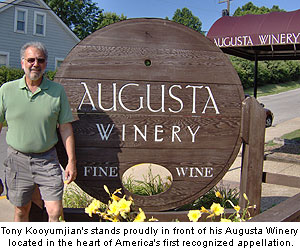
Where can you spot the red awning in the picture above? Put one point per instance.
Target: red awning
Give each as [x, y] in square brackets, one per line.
[269, 36]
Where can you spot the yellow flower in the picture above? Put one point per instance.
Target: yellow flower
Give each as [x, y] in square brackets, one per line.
[93, 207]
[117, 191]
[245, 196]
[115, 198]
[219, 195]
[140, 217]
[237, 208]
[106, 189]
[106, 217]
[194, 215]
[216, 209]
[113, 208]
[204, 210]
[225, 220]
[124, 205]
[89, 210]
[152, 219]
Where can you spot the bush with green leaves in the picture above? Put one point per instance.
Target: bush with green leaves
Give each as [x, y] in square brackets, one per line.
[269, 72]
[9, 74]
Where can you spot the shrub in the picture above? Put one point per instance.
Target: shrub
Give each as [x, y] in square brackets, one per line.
[269, 72]
[9, 74]
[50, 75]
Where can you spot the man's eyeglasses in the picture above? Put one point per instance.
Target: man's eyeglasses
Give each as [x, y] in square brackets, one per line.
[39, 60]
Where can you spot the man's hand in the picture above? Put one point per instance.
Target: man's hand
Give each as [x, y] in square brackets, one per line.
[70, 173]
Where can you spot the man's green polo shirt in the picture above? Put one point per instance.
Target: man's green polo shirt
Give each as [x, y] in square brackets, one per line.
[32, 118]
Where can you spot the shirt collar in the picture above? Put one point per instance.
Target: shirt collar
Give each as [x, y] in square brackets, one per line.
[44, 84]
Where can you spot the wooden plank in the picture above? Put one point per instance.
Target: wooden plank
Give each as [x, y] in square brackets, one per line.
[201, 174]
[245, 120]
[280, 179]
[176, 96]
[286, 211]
[155, 132]
[78, 215]
[119, 48]
[253, 155]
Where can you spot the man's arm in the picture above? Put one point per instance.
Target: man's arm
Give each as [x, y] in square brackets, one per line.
[66, 132]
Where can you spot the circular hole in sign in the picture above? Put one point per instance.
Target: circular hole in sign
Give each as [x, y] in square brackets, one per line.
[147, 62]
[147, 179]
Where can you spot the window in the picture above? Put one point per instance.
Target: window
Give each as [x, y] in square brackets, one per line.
[39, 24]
[58, 62]
[21, 20]
[4, 59]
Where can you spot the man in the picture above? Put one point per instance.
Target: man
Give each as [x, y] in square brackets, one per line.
[33, 107]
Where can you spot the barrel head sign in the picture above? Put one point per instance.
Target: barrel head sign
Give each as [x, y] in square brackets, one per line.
[156, 92]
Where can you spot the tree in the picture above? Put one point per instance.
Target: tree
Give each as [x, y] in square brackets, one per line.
[250, 8]
[108, 18]
[269, 71]
[81, 16]
[186, 17]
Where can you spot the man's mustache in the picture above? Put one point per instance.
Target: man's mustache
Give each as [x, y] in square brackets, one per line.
[35, 68]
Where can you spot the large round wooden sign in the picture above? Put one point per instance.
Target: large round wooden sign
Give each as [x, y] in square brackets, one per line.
[156, 92]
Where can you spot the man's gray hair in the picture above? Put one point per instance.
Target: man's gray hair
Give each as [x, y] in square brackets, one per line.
[34, 44]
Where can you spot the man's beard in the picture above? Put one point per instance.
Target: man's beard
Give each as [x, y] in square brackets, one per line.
[34, 75]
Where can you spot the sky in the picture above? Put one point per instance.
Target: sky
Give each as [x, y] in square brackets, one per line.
[208, 11]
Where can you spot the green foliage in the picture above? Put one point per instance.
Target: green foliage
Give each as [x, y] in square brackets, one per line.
[81, 16]
[108, 18]
[271, 89]
[250, 8]
[269, 72]
[9, 74]
[210, 197]
[186, 17]
[74, 197]
[50, 75]
[151, 185]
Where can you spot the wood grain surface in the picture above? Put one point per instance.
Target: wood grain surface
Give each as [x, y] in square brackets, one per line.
[152, 91]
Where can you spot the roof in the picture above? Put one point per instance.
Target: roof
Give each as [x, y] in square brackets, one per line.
[271, 36]
[10, 3]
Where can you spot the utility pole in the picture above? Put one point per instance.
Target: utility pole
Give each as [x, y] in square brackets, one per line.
[228, 7]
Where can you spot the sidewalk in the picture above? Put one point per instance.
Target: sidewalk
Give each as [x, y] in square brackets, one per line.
[271, 194]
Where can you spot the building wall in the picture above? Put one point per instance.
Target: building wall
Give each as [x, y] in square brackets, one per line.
[57, 39]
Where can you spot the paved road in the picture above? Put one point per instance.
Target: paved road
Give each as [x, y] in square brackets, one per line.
[285, 106]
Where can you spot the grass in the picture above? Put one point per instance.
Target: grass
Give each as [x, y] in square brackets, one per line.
[151, 185]
[154, 185]
[74, 197]
[273, 88]
[295, 136]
